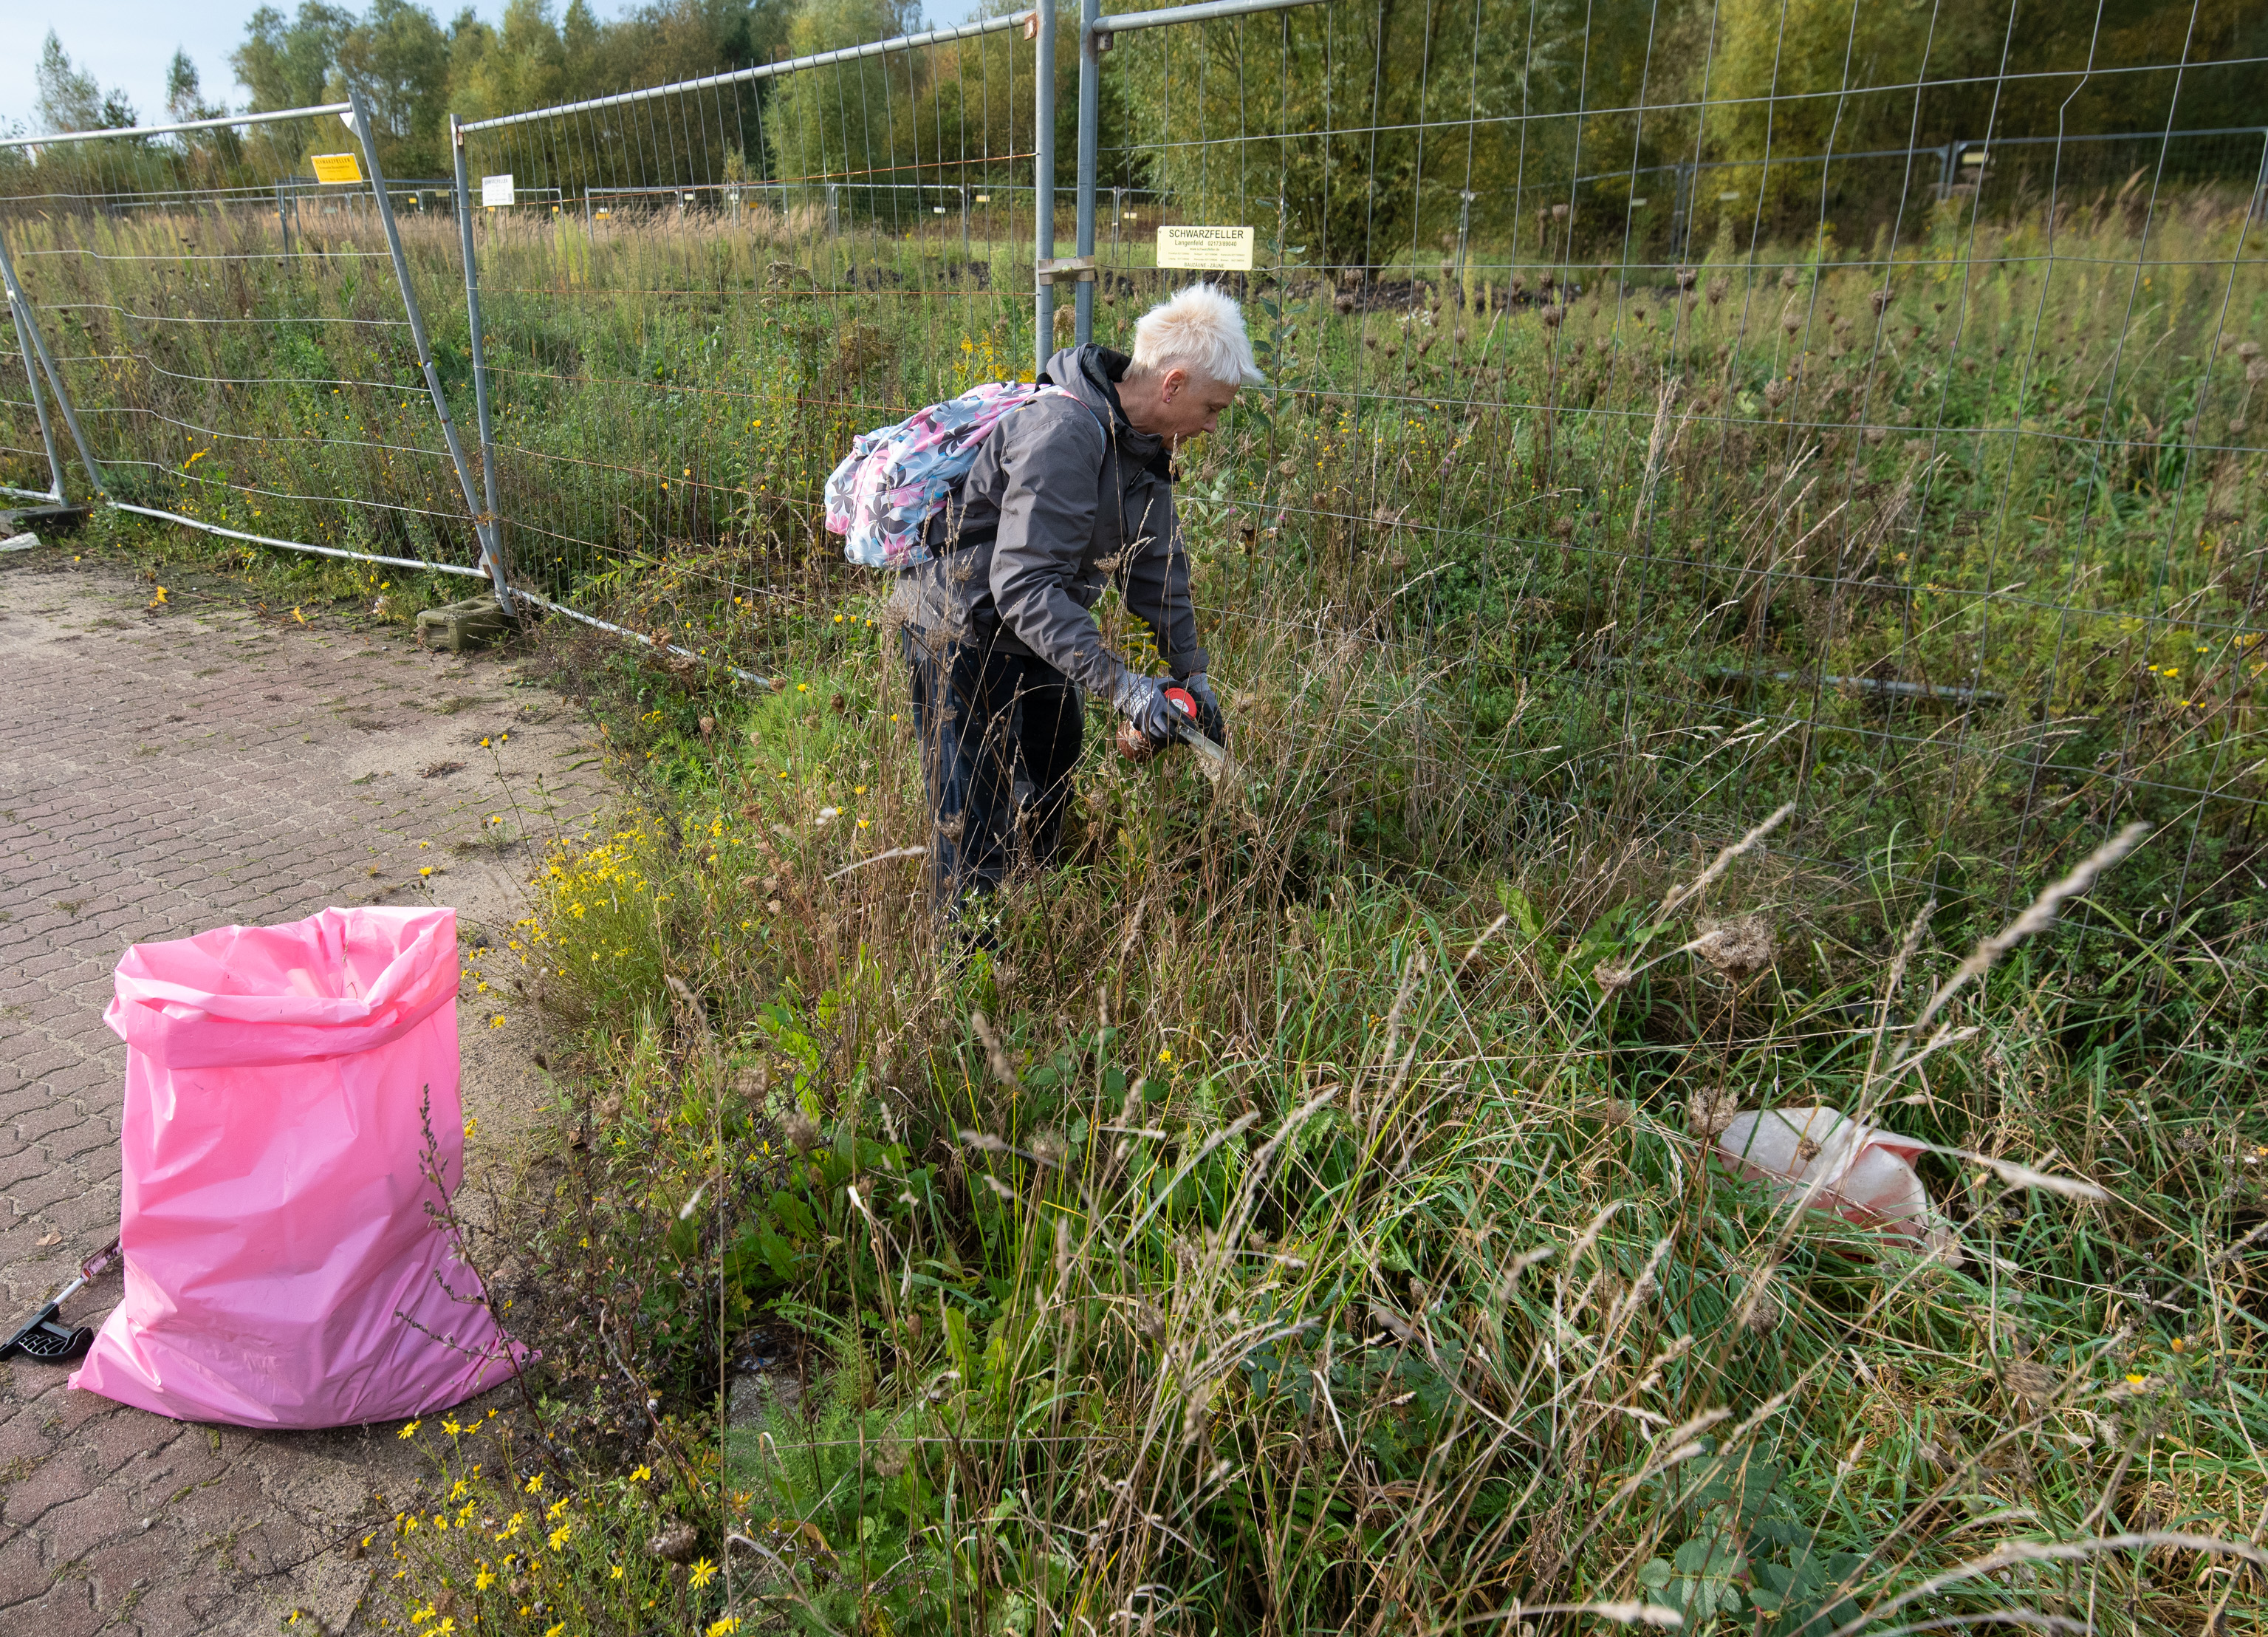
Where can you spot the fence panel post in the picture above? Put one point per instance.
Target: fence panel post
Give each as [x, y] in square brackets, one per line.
[1090, 138]
[28, 327]
[39, 405]
[1043, 184]
[480, 358]
[485, 527]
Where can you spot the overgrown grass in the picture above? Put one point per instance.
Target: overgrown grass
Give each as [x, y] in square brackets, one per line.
[1950, 536]
[1257, 1245]
[1286, 1227]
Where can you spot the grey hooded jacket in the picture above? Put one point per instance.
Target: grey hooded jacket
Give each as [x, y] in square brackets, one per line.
[1055, 509]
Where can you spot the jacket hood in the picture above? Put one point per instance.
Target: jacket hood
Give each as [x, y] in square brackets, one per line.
[1092, 373]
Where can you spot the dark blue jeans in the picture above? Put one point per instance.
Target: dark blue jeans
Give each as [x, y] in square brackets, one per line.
[1000, 733]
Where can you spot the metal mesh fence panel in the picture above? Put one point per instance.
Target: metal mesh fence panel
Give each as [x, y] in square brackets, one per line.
[1699, 455]
[1665, 418]
[693, 297]
[30, 467]
[233, 337]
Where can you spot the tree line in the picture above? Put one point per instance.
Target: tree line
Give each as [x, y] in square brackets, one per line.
[1357, 126]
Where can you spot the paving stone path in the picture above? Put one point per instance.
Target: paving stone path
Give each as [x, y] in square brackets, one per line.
[165, 769]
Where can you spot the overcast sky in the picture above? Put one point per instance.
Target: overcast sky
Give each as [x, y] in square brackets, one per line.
[127, 43]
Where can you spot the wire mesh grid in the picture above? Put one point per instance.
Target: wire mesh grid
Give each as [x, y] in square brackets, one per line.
[1824, 424]
[733, 278]
[1909, 483]
[233, 338]
[29, 465]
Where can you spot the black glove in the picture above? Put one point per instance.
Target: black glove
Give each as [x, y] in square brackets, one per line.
[1209, 717]
[1141, 700]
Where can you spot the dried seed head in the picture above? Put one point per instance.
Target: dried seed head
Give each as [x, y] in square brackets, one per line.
[995, 1055]
[1685, 277]
[1612, 978]
[2256, 370]
[1551, 316]
[1776, 391]
[1739, 948]
[2031, 1380]
[1787, 279]
[675, 1544]
[801, 1130]
[2247, 351]
[1880, 299]
[1149, 1320]
[1717, 286]
[1710, 1111]
[1763, 1311]
[1604, 343]
[1791, 321]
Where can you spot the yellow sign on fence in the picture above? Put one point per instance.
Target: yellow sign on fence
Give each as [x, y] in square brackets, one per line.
[336, 167]
[1222, 249]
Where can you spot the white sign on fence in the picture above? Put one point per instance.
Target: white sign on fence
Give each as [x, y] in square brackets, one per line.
[496, 190]
[1222, 249]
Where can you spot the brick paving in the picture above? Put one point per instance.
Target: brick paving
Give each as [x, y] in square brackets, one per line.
[163, 771]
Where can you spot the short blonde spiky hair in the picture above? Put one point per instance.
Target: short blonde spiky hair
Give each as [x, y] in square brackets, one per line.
[1199, 330]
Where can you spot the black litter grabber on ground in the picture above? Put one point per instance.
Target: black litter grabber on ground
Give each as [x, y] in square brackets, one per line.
[41, 1338]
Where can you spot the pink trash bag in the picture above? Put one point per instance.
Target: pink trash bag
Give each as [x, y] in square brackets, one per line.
[280, 1262]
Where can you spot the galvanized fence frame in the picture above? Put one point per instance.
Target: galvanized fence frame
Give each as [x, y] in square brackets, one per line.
[354, 114]
[681, 194]
[1656, 265]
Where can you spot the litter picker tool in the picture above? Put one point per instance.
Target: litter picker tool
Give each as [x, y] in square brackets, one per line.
[1212, 760]
[41, 1338]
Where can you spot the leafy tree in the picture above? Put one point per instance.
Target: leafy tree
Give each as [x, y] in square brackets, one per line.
[185, 97]
[288, 64]
[69, 98]
[521, 63]
[1793, 79]
[185, 100]
[398, 58]
[1371, 124]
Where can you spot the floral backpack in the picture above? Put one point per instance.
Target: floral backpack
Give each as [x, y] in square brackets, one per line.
[896, 478]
